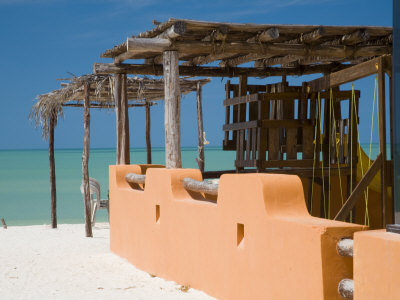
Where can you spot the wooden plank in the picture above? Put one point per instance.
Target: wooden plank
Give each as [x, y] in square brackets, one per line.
[148, 131]
[340, 77]
[242, 99]
[200, 129]
[53, 191]
[241, 125]
[227, 110]
[288, 163]
[248, 143]
[85, 163]
[172, 110]
[382, 138]
[157, 70]
[287, 123]
[359, 189]
[117, 100]
[124, 124]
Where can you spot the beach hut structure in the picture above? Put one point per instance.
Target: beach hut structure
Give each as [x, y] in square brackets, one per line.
[118, 92]
[274, 143]
[274, 128]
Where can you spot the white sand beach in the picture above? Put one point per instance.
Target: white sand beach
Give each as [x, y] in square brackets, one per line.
[37, 262]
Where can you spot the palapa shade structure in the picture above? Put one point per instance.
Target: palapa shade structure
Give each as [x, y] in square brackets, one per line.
[101, 91]
[180, 47]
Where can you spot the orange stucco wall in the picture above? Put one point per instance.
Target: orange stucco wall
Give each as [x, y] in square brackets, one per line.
[285, 253]
[376, 265]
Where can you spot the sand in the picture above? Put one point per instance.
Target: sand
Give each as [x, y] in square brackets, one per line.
[37, 262]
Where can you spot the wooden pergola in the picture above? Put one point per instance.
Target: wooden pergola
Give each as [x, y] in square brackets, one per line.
[198, 48]
[118, 92]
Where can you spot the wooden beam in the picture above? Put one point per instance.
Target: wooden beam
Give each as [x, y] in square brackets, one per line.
[157, 70]
[355, 37]
[136, 47]
[124, 123]
[265, 36]
[200, 129]
[173, 32]
[281, 60]
[340, 77]
[361, 186]
[85, 163]
[382, 138]
[233, 62]
[148, 138]
[219, 34]
[313, 36]
[117, 100]
[53, 191]
[172, 110]
[202, 60]
[200, 186]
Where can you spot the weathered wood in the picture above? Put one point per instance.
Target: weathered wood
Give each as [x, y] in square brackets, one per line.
[346, 288]
[135, 178]
[276, 61]
[382, 138]
[355, 37]
[173, 32]
[53, 191]
[150, 69]
[124, 124]
[200, 186]
[359, 189]
[4, 223]
[117, 100]
[219, 34]
[238, 60]
[172, 110]
[148, 138]
[265, 36]
[345, 247]
[205, 59]
[85, 163]
[200, 129]
[313, 36]
[340, 77]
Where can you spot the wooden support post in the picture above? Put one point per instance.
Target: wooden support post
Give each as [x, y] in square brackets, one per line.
[52, 172]
[124, 123]
[85, 163]
[382, 138]
[200, 129]
[117, 101]
[172, 110]
[148, 139]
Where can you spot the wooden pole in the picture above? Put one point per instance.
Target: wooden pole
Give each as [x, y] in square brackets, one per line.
[52, 174]
[148, 139]
[200, 129]
[85, 162]
[382, 138]
[172, 110]
[117, 101]
[123, 123]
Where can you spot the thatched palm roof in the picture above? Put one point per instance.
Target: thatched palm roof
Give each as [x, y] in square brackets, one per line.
[140, 90]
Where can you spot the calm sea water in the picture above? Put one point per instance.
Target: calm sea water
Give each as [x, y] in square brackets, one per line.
[25, 188]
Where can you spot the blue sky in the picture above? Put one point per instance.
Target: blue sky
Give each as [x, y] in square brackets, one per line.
[42, 40]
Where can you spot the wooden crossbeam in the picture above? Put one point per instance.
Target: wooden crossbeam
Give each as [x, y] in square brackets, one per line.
[136, 47]
[173, 32]
[233, 62]
[219, 34]
[265, 36]
[206, 59]
[357, 192]
[340, 77]
[355, 37]
[276, 61]
[107, 68]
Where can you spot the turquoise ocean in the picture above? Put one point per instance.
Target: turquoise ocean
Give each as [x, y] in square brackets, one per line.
[25, 187]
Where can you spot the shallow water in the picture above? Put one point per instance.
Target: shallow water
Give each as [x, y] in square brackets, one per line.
[25, 188]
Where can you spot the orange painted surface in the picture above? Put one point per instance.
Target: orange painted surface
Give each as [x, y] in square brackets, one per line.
[376, 265]
[257, 241]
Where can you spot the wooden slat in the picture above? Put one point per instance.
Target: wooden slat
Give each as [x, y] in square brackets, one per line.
[357, 192]
[287, 123]
[340, 77]
[242, 99]
[288, 163]
[53, 191]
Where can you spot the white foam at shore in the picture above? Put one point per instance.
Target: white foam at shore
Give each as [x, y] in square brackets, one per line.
[37, 262]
